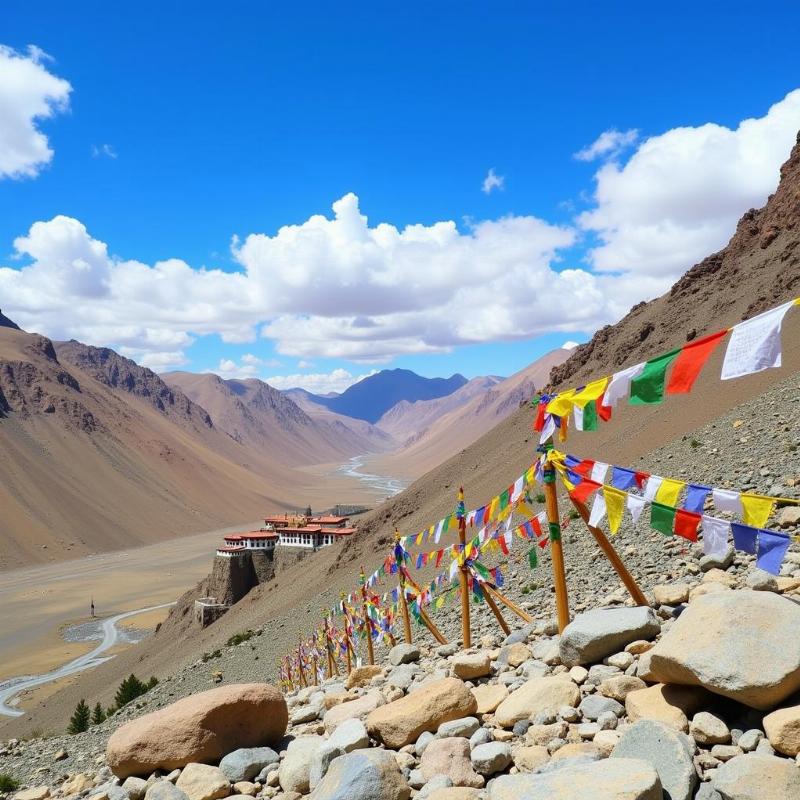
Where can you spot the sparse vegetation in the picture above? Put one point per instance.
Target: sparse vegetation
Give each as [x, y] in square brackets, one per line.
[693, 443]
[240, 637]
[573, 514]
[8, 783]
[79, 721]
[209, 656]
[130, 689]
[540, 497]
[98, 715]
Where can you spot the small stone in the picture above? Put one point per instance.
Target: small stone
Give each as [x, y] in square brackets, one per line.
[164, 790]
[725, 752]
[203, 782]
[783, 730]
[425, 738]
[469, 666]
[487, 759]
[638, 647]
[463, 727]
[538, 695]
[607, 721]
[34, 793]
[668, 704]
[361, 676]
[404, 654]
[450, 757]
[245, 788]
[245, 763]
[620, 660]
[569, 714]
[529, 759]
[521, 728]
[761, 581]
[135, 787]
[363, 775]
[481, 736]
[488, 696]
[605, 741]
[749, 740]
[706, 729]
[578, 674]
[593, 705]
[713, 561]
[60, 755]
[619, 687]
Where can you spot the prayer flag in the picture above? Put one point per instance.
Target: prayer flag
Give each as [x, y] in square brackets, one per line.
[584, 490]
[744, 537]
[615, 505]
[652, 487]
[690, 362]
[589, 393]
[772, 548]
[635, 506]
[620, 384]
[662, 518]
[562, 403]
[756, 510]
[603, 412]
[585, 417]
[599, 470]
[622, 478]
[696, 497]
[533, 559]
[686, 524]
[548, 429]
[755, 344]
[649, 386]
[668, 491]
[727, 500]
[598, 510]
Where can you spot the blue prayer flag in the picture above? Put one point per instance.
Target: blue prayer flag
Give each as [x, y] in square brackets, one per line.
[622, 478]
[744, 537]
[772, 548]
[571, 461]
[696, 497]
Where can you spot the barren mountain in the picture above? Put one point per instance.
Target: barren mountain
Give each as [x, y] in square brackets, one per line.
[439, 436]
[256, 414]
[5, 322]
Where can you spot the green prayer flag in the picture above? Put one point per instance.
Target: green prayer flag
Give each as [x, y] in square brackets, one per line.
[662, 518]
[649, 386]
[533, 559]
[590, 416]
[504, 500]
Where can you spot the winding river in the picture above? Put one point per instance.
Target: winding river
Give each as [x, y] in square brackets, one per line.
[111, 636]
[380, 484]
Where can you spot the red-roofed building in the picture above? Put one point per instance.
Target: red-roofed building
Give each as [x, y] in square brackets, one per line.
[253, 540]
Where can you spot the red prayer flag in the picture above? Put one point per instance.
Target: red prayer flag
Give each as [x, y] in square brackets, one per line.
[584, 468]
[604, 412]
[686, 524]
[584, 490]
[641, 478]
[690, 362]
[439, 555]
[538, 424]
[503, 546]
[537, 528]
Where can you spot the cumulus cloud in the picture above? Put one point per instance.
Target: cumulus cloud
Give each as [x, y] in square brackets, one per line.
[249, 367]
[679, 196]
[608, 144]
[29, 93]
[104, 151]
[320, 383]
[492, 181]
[569, 345]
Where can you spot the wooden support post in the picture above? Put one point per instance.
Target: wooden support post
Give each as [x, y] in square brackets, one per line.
[300, 664]
[368, 630]
[431, 626]
[495, 610]
[612, 555]
[557, 553]
[466, 635]
[348, 625]
[325, 632]
[511, 605]
[401, 581]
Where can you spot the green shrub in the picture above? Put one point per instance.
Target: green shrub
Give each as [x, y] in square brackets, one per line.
[98, 715]
[8, 783]
[540, 498]
[240, 637]
[130, 689]
[79, 721]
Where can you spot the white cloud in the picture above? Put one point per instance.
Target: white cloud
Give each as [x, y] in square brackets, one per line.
[104, 151]
[678, 197]
[29, 93]
[320, 383]
[249, 367]
[492, 181]
[569, 345]
[608, 144]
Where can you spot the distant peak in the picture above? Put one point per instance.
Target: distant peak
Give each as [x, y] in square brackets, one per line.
[5, 322]
[570, 345]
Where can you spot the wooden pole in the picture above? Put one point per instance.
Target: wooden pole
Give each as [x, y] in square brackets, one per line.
[370, 651]
[612, 555]
[495, 610]
[557, 553]
[402, 584]
[326, 633]
[466, 636]
[348, 623]
[510, 604]
[431, 626]
[300, 663]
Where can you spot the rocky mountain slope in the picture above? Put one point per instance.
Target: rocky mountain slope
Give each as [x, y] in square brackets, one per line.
[373, 396]
[256, 414]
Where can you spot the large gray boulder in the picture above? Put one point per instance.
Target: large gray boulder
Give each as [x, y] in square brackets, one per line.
[742, 645]
[363, 775]
[668, 751]
[295, 769]
[757, 777]
[596, 634]
[610, 779]
[246, 762]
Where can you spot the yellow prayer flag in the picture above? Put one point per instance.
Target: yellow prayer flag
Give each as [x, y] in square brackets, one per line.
[668, 491]
[495, 504]
[615, 505]
[756, 510]
[562, 403]
[525, 509]
[530, 474]
[418, 540]
[590, 392]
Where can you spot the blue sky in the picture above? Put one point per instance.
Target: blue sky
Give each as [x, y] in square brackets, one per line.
[183, 126]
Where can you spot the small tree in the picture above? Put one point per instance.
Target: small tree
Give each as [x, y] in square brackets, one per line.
[79, 721]
[129, 690]
[98, 715]
[308, 511]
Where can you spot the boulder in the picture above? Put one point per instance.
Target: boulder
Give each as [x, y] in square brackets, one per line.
[712, 645]
[134, 787]
[757, 777]
[33, 793]
[491, 757]
[246, 762]
[403, 654]
[609, 779]
[529, 759]
[350, 735]
[201, 727]
[783, 730]
[514, 654]
[668, 751]
[355, 709]
[488, 696]
[672, 705]
[295, 769]
[707, 729]
[363, 775]
[164, 790]
[536, 696]
[596, 634]
[464, 727]
[469, 666]
[361, 676]
[203, 782]
[401, 722]
[453, 793]
[593, 705]
[450, 757]
[620, 686]
[671, 594]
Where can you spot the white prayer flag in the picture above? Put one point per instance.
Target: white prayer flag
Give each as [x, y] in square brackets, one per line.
[727, 500]
[653, 485]
[439, 529]
[755, 344]
[620, 384]
[577, 413]
[549, 428]
[635, 505]
[599, 470]
[516, 492]
[598, 510]
[715, 535]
